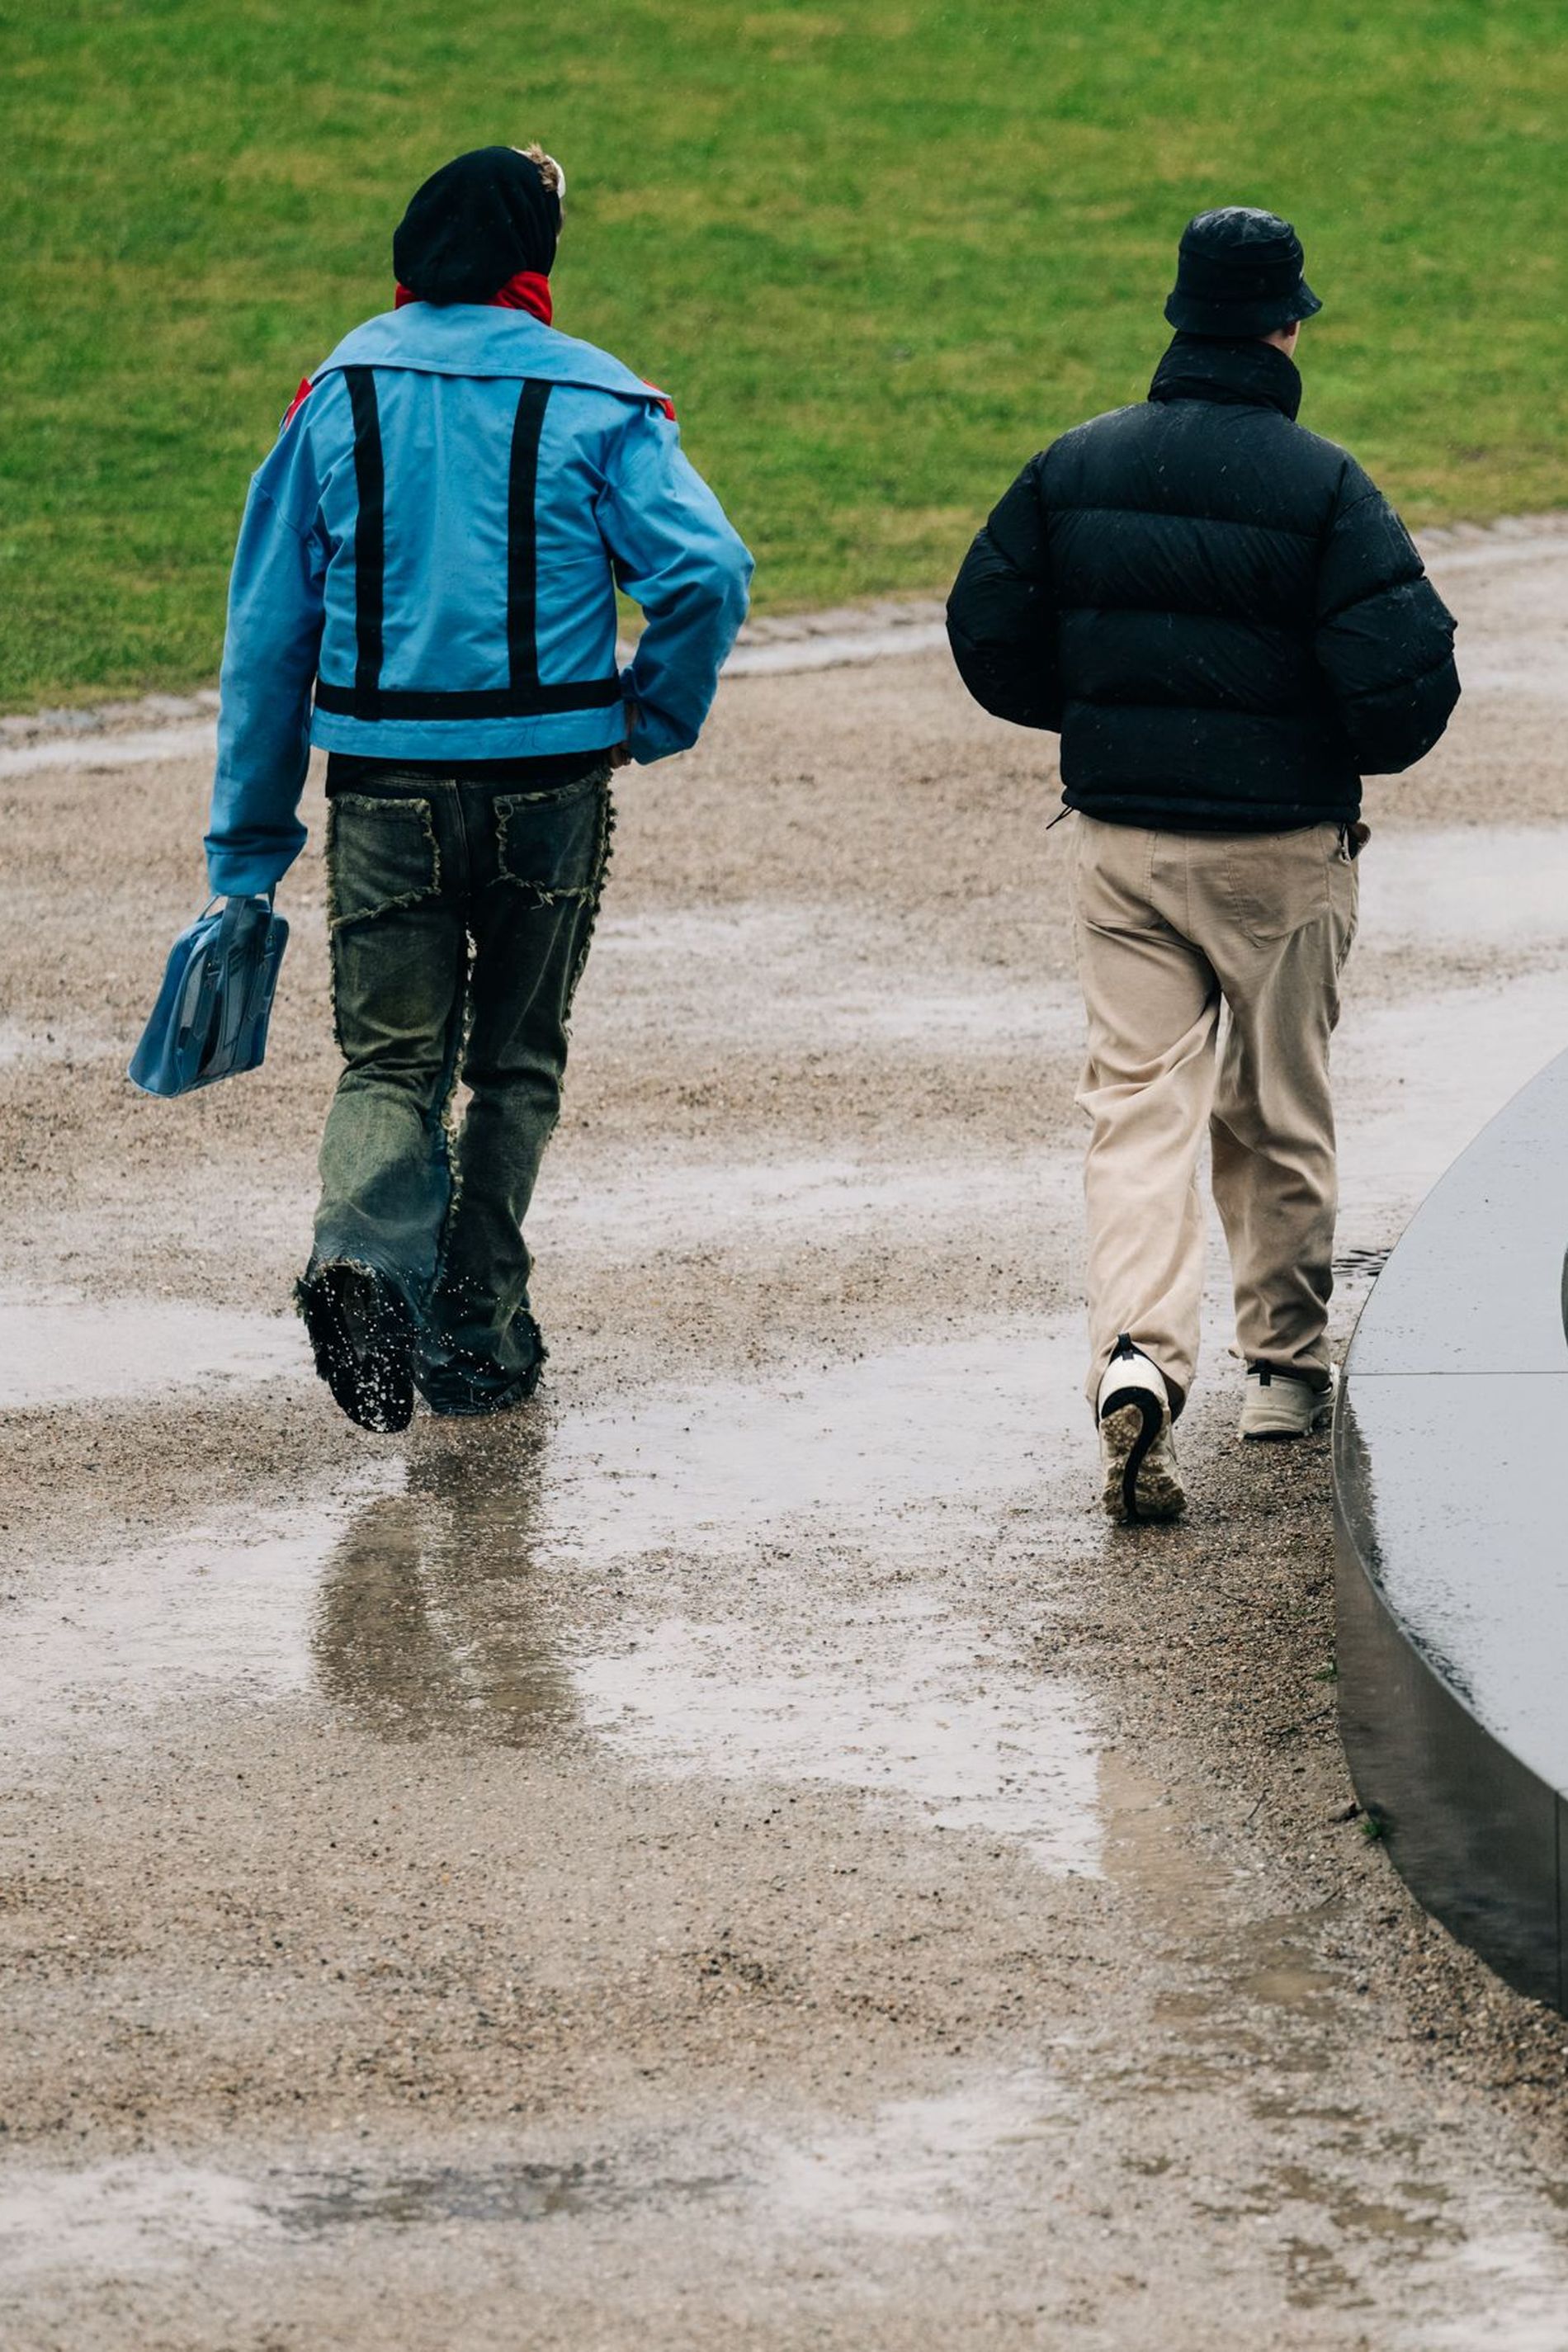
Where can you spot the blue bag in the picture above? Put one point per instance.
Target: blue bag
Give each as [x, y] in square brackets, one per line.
[211, 1016]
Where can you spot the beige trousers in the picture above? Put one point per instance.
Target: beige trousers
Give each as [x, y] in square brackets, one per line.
[1171, 927]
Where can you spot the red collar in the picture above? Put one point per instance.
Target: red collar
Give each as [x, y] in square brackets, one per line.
[527, 291]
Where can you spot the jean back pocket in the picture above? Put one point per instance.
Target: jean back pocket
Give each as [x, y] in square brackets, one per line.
[551, 844]
[381, 853]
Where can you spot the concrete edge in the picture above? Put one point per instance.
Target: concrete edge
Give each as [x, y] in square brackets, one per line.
[1475, 1833]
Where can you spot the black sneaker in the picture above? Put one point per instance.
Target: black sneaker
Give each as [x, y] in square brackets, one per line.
[460, 1387]
[362, 1334]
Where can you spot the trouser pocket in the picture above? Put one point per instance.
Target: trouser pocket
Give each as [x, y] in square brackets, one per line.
[382, 853]
[552, 845]
[1277, 882]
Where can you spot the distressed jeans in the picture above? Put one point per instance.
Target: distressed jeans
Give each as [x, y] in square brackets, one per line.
[460, 914]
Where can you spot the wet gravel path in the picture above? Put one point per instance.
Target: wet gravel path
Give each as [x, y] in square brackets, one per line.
[740, 1852]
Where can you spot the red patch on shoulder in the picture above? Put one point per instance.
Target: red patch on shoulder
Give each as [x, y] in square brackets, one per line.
[663, 399]
[297, 404]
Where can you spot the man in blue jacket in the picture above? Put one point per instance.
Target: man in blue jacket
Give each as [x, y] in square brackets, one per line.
[425, 586]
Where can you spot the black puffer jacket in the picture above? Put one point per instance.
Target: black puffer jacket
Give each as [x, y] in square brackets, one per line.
[1227, 622]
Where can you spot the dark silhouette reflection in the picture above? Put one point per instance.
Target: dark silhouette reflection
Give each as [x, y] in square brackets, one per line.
[428, 1620]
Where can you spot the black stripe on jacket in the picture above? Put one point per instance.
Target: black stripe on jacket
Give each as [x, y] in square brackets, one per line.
[525, 696]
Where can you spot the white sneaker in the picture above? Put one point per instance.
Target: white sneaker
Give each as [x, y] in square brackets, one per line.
[1273, 1404]
[1138, 1457]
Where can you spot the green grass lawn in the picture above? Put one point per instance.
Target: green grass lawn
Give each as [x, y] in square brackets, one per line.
[878, 253]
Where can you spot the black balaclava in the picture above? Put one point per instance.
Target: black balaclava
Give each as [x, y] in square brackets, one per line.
[476, 223]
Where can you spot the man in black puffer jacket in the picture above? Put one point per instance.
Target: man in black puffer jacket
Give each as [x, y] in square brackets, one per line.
[1230, 626]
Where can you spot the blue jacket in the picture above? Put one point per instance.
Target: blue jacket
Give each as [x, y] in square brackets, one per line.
[434, 547]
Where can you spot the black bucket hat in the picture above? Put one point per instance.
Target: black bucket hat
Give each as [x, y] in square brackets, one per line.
[1239, 273]
[477, 222]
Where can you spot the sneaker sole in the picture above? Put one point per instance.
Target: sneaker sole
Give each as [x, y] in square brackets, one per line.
[476, 1409]
[358, 1329]
[1139, 1486]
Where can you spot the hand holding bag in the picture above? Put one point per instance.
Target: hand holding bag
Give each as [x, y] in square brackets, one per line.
[210, 1020]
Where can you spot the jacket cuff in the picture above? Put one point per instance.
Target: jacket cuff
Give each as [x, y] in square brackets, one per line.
[245, 873]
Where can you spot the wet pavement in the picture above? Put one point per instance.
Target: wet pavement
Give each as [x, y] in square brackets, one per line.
[739, 1851]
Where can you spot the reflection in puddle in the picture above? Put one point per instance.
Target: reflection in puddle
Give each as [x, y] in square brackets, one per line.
[62, 1349]
[498, 2192]
[910, 1705]
[432, 1598]
[427, 1615]
[431, 1604]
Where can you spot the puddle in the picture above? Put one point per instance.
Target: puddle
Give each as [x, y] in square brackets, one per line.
[918, 2167]
[1251, 1992]
[835, 650]
[1492, 885]
[88, 1652]
[1501, 543]
[895, 1455]
[62, 1349]
[1540, 681]
[138, 2216]
[912, 1705]
[867, 1445]
[65, 1042]
[1417, 1082]
[1523, 2275]
[703, 1203]
[435, 1597]
[503, 2193]
[440, 1605]
[429, 1616]
[123, 2220]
